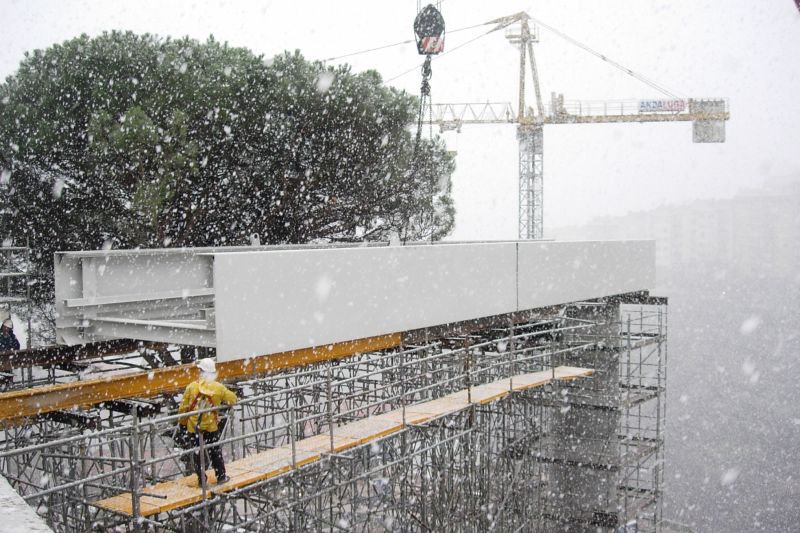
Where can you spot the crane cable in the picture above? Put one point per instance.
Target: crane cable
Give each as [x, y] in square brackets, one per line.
[399, 43]
[623, 68]
[429, 32]
[660, 88]
[450, 51]
[424, 101]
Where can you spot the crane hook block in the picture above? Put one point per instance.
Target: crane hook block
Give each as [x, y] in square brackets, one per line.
[429, 31]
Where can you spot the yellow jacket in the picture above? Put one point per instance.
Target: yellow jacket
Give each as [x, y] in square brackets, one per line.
[202, 394]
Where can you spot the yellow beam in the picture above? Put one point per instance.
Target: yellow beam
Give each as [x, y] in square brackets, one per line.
[38, 400]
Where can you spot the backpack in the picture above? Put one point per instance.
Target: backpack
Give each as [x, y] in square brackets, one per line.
[204, 401]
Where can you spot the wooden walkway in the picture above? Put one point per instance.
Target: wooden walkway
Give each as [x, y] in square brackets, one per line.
[185, 491]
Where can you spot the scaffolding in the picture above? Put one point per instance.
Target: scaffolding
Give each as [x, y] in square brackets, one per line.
[585, 454]
[15, 294]
[604, 446]
[15, 289]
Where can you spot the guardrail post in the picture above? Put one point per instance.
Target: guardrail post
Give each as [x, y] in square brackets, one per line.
[135, 471]
[202, 478]
[426, 370]
[512, 367]
[402, 369]
[467, 374]
[628, 368]
[329, 385]
[152, 437]
[82, 450]
[292, 439]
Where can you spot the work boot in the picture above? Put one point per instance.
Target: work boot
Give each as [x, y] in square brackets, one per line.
[224, 478]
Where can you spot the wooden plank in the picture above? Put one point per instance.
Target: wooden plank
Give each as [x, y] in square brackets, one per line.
[490, 392]
[367, 429]
[445, 405]
[572, 372]
[277, 460]
[259, 462]
[322, 443]
[122, 504]
[412, 415]
[534, 379]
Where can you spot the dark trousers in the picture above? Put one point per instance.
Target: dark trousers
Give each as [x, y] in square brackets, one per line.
[215, 454]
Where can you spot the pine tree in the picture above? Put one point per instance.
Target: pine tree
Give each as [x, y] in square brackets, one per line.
[128, 140]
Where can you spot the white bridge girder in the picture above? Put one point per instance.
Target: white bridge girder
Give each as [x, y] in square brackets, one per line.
[256, 301]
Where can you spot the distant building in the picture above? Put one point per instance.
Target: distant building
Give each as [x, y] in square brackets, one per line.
[754, 234]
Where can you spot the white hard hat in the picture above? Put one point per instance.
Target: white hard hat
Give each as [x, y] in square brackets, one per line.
[207, 366]
[8, 323]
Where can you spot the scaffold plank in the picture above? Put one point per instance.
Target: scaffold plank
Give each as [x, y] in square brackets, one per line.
[490, 392]
[412, 415]
[452, 403]
[322, 443]
[170, 495]
[274, 462]
[368, 429]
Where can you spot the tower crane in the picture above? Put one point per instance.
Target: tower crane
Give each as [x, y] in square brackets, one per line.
[708, 116]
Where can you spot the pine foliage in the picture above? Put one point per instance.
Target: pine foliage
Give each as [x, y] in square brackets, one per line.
[128, 140]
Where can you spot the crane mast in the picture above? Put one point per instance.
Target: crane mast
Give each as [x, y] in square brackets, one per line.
[530, 135]
[706, 114]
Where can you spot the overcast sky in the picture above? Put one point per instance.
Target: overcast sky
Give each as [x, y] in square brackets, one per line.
[746, 51]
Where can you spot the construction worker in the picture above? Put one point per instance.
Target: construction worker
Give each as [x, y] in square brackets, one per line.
[201, 394]
[8, 341]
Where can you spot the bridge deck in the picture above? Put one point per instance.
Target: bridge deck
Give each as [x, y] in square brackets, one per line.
[185, 491]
